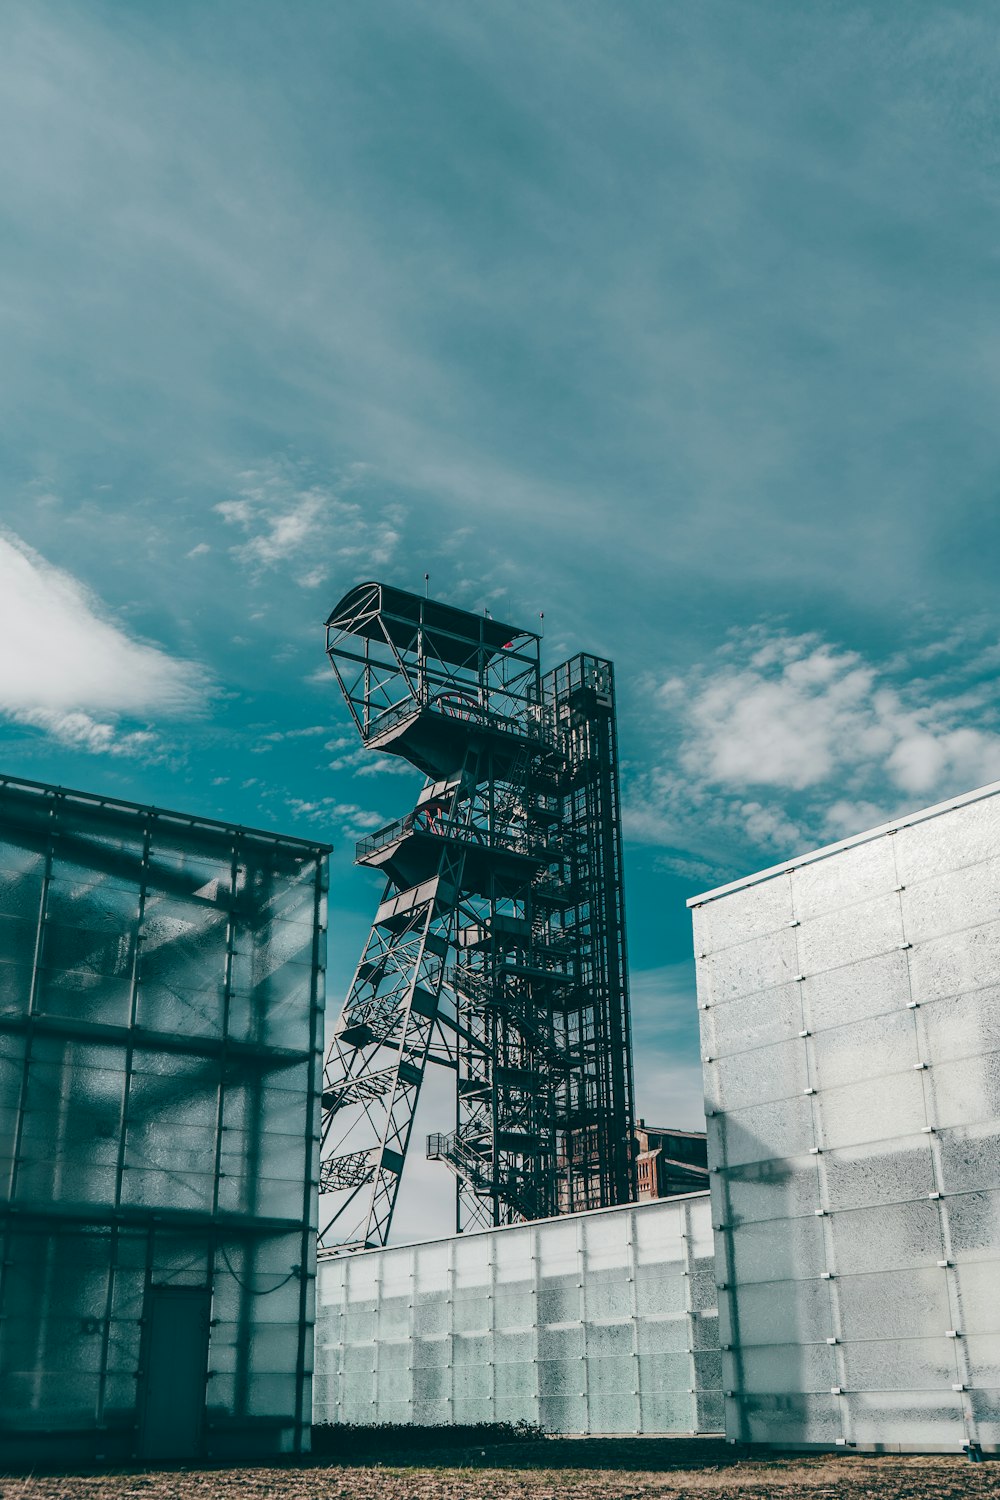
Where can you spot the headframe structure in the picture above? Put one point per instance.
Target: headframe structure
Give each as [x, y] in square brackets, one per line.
[498, 948]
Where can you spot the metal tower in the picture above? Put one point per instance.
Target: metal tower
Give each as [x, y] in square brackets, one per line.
[498, 948]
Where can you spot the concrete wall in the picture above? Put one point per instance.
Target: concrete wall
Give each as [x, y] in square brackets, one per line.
[851, 1032]
[601, 1322]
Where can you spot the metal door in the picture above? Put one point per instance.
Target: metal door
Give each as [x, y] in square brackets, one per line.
[175, 1365]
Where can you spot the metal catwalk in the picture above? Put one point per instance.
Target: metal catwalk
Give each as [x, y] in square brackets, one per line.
[498, 948]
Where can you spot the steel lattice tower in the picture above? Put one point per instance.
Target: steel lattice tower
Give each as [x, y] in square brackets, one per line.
[498, 948]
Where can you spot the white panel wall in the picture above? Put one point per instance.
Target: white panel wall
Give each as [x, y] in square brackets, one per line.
[851, 1031]
[601, 1322]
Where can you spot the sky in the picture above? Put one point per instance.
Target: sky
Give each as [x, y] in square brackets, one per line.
[673, 322]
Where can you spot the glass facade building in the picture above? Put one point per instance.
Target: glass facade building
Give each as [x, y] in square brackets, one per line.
[850, 1012]
[597, 1322]
[161, 996]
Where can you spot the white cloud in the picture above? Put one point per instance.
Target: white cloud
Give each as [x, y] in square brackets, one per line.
[352, 821]
[801, 713]
[82, 732]
[65, 661]
[787, 740]
[297, 734]
[288, 520]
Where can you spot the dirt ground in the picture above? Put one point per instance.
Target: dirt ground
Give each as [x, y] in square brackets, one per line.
[584, 1469]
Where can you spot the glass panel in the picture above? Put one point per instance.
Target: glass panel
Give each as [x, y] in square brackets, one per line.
[394, 1318]
[752, 1021]
[431, 1383]
[868, 1049]
[916, 1419]
[514, 1256]
[430, 1315]
[890, 1237]
[431, 1352]
[663, 1335]
[851, 933]
[850, 878]
[876, 1110]
[911, 1364]
[774, 1189]
[782, 1128]
[773, 1252]
[558, 1248]
[792, 1419]
[966, 1092]
[516, 1378]
[965, 960]
[785, 1313]
[775, 1072]
[979, 1296]
[707, 1369]
[90, 951]
[857, 990]
[894, 1304]
[656, 1234]
[164, 1004]
[761, 908]
[514, 1348]
[985, 1407]
[472, 1261]
[607, 1339]
[17, 940]
[604, 1297]
[982, 1350]
[563, 1413]
[91, 905]
[667, 1411]
[785, 1367]
[613, 1413]
[472, 1349]
[606, 1242]
[472, 1313]
[518, 1310]
[668, 1371]
[951, 901]
[703, 1286]
[698, 1221]
[709, 1414]
[960, 1026]
[859, 1176]
[758, 964]
[566, 1343]
[962, 836]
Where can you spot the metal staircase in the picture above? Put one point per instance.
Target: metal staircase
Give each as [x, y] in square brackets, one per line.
[481, 953]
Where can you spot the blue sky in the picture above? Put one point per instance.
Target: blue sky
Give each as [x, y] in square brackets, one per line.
[674, 321]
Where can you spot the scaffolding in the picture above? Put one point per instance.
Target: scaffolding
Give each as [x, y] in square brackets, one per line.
[498, 947]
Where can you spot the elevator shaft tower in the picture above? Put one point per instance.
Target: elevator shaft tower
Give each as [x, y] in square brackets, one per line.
[497, 950]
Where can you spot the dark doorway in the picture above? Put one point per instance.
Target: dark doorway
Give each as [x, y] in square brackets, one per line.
[175, 1365]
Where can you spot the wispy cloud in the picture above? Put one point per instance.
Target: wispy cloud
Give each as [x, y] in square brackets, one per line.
[69, 668]
[287, 520]
[347, 818]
